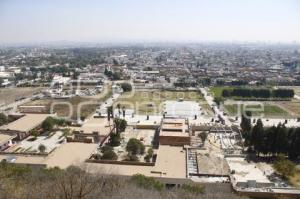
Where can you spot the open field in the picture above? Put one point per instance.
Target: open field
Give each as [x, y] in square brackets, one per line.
[89, 104]
[151, 101]
[269, 110]
[293, 107]
[8, 95]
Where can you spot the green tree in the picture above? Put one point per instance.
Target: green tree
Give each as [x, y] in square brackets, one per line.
[257, 136]
[294, 143]
[126, 87]
[281, 139]
[114, 140]
[48, 124]
[135, 146]
[3, 119]
[246, 126]
[120, 124]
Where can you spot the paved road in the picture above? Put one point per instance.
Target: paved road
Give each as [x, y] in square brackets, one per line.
[211, 103]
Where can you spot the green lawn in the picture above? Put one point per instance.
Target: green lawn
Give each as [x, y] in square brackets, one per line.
[151, 101]
[217, 90]
[268, 110]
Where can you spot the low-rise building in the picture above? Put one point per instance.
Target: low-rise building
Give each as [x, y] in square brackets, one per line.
[22, 126]
[174, 132]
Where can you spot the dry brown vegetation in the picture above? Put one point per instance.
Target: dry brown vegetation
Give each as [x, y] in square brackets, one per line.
[8, 95]
[295, 178]
[293, 107]
[20, 182]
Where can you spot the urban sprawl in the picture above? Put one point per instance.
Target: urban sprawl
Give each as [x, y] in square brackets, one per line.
[209, 114]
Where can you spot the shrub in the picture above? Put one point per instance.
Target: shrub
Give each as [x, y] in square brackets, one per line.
[50, 122]
[149, 155]
[197, 189]
[147, 158]
[284, 166]
[106, 148]
[42, 148]
[96, 156]
[132, 157]
[150, 152]
[109, 155]
[146, 182]
[34, 133]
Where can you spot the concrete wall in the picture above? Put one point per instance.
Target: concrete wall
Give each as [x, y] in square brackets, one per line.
[174, 140]
[33, 109]
[121, 162]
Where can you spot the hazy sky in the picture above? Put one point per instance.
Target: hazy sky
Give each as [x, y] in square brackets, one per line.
[149, 20]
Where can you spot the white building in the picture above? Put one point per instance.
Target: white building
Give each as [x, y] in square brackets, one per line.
[182, 109]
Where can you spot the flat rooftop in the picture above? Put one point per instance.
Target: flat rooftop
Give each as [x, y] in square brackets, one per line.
[174, 127]
[70, 154]
[26, 123]
[23, 159]
[100, 125]
[64, 156]
[170, 163]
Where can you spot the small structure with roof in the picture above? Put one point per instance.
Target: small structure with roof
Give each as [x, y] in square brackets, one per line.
[174, 132]
[22, 126]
